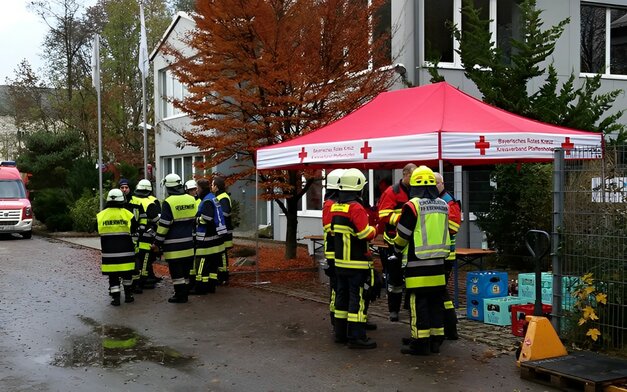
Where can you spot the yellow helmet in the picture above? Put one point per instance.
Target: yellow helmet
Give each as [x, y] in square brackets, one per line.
[422, 176]
[352, 180]
[333, 179]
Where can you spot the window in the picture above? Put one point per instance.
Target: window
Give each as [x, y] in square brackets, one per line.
[312, 201]
[603, 40]
[383, 29]
[185, 166]
[170, 88]
[438, 15]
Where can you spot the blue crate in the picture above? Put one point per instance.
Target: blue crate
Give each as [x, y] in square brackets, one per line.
[486, 284]
[474, 308]
[497, 311]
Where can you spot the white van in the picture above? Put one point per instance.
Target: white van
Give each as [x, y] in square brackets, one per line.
[16, 213]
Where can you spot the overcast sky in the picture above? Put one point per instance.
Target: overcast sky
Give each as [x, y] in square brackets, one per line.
[21, 36]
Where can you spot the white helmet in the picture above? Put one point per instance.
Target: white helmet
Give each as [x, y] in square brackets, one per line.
[352, 180]
[115, 195]
[333, 178]
[144, 185]
[172, 180]
[191, 184]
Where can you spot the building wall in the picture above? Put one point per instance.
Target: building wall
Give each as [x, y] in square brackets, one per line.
[566, 57]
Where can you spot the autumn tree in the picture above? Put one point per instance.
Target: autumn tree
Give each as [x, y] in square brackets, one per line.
[266, 71]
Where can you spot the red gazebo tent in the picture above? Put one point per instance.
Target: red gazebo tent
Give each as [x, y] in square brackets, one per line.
[426, 125]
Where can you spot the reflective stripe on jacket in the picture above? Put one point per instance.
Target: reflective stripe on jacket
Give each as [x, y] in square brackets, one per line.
[454, 220]
[423, 238]
[118, 250]
[389, 207]
[227, 209]
[176, 226]
[351, 234]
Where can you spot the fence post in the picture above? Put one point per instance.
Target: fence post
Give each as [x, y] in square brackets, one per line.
[558, 218]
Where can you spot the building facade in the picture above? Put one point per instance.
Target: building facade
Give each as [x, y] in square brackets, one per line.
[593, 42]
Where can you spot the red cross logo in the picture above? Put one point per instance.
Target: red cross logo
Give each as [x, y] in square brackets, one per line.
[366, 150]
[482, 145]
[302, 155]
[567, 145]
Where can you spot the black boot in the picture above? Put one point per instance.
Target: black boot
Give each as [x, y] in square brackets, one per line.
[128, 294]
[363, 343]
[417, 347]
[199, 288]
[211, 286]
[394, 305]
[115, 299]
[340, 327]
[434, 343]
[357, 338]
[180, 294]
[370, 326]
[450, 324]
[149, 283]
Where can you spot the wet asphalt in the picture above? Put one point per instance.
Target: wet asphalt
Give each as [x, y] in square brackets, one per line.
[58, 332]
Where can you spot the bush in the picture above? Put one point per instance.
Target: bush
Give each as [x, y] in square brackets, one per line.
[51, 207]
[83, 213]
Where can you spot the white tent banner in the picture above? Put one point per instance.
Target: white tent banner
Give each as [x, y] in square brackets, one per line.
[460, 146]
[360, 151]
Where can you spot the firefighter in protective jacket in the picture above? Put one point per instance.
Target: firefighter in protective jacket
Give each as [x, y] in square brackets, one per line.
[390, 204]
[454, 221]
[148, 209]
[210, 228]
[328, 263]
[115, 225]
[175, 235]
[353, 261]
[424, 242]
[218, 187]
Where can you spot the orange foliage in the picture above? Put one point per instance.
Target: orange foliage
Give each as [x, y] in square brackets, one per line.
[266, 71]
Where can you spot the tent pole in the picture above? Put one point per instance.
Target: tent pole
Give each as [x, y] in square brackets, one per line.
[256, 227]
[441, 167]
[257, 259]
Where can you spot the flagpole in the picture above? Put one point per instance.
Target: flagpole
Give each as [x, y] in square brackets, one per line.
[96, 84]
[143, 69]
[145, 129]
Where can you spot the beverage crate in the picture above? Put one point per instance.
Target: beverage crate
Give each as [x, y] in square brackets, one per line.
[519, 313]
[486, 284]
[497, 311]
[526, 288]
[474, 307]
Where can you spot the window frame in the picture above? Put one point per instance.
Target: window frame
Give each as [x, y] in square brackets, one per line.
[172, 162]
[457, 20]
[607, 74]
[170, 88]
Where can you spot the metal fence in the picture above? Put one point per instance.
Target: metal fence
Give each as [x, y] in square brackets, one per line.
[590, 237]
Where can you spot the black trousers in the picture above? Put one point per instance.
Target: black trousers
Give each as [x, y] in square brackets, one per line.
[350, 299]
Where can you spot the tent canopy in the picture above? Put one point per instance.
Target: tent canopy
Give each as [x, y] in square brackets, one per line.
[425, 125]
